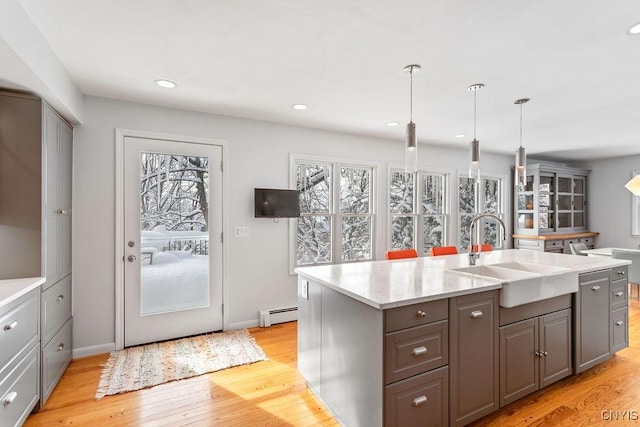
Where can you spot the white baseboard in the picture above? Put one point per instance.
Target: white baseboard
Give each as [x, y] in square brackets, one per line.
[93, 350]
[246, 324]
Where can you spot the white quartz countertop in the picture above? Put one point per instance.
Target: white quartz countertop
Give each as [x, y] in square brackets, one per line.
[12, 289]
[388, 284]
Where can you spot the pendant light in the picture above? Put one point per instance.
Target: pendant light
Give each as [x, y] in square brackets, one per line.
[634, 185]
[411, 143]
[521, 155]
[474, 146]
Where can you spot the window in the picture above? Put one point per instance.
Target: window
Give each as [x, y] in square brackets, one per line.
[336, 208]
[473, 200]
[419, 217]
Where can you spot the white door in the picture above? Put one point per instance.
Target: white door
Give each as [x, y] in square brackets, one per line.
[172, 239]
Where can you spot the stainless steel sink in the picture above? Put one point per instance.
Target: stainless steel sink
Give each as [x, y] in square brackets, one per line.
[523, 283]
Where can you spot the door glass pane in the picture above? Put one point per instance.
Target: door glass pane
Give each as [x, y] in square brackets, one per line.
[578, 203]
[356, 238]
[578, 219]
[546, 202]
[564, 185]
[546, 184]
[564, 220]
[402, 232]
[314, 239]
[545, 220]
[174, 233]
[564, 203]
[401, 193]
[578, 186]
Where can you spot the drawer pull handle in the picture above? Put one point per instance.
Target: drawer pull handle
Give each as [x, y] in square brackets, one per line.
[419, 400]
[60, 298]
[421, 314]
[10, 326]
[8, 400]
[619, 294]
[619, 323]
[620, 273]
[60, 346]
[477, 313]
[595, 288]
[419, 351]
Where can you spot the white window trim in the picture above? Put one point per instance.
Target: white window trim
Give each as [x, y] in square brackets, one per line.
[448, 174]
[294, 159]
[503, 203]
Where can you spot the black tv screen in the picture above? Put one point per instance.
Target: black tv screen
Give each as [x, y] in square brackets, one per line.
[273, 203]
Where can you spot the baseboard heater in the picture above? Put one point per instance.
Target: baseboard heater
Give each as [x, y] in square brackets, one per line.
[277, 315]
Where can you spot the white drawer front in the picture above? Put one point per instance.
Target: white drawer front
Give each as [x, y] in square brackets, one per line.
[56, 308]
[19, 391]
[18, 326]
[55, 358]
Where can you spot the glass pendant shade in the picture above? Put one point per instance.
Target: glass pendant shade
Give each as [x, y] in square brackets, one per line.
[411, 149]
[521, 168]
[474, 159]
[634, 185]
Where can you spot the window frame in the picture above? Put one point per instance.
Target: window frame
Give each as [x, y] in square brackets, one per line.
[480, 207]
[335, 214]
[418, 215]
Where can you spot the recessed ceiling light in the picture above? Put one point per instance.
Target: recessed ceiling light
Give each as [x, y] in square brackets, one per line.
[299, 107]
[635, 30]
[167, 84]
[392, 124]
[460, 135]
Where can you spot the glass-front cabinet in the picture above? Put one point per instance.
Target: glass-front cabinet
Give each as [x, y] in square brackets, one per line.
[552, 200]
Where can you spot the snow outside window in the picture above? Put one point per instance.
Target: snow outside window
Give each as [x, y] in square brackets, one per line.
[336, 215]
[473, 200]
[418, 210]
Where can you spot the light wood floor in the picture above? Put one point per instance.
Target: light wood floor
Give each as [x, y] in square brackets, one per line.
[273, 393]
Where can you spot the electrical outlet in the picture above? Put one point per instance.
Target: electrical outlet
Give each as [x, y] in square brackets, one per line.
[240, 231]
[304, 289]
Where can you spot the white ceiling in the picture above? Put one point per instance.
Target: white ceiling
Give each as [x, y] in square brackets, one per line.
[345, 59]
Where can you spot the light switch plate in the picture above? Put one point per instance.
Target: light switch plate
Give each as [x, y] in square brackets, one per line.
[304, 289]
[240, 231]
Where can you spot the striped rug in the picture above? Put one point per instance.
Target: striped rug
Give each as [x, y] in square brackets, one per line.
[148, 365]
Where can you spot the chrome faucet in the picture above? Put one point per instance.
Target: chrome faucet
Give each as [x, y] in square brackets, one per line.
[473, 256]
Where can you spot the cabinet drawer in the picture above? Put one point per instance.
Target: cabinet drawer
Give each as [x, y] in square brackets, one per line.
[553, 243]
[621, 272]
[55, 358]
[415, 315]
[619, 294]
[56, 308]
[568, 242]
[416, 350]
[587, 241]
[18, 325]
[536, 245]
[422, 400]
[619, 329]
[19, 390]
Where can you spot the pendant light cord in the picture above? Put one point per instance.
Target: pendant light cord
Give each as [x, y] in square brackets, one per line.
[475, 110]
[520, 125]
[411, 95]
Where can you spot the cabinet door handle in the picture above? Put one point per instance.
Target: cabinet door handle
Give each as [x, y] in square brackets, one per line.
[9, 398]
[419, 400]
[619, 294]
[60, 346]
[595, 288]
[421, 314]
[418, 351]
[620, 273]
[10, 326]
[619, 323]
[477, 313]
[60, 298]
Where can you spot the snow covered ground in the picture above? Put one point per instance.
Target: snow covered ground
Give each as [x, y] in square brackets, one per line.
[177, 280]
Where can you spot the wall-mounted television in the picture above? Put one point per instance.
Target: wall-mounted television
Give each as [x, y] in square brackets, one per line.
[273, 203]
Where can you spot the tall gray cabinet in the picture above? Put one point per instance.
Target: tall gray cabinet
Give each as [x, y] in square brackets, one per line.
[35, 200]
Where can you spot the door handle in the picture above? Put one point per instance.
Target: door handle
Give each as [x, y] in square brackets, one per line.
[419, 400]
[595, 288]
[419, 351]
[477, 313]
[131, 258]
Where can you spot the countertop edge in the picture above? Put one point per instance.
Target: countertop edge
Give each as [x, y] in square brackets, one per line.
[12, 289]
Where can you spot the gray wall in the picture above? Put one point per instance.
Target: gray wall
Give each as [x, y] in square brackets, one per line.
[258, 154]
[610, 202]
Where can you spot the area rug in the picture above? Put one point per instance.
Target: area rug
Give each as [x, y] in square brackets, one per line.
[144, 366]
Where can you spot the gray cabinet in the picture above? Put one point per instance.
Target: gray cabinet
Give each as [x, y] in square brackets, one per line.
[473, 356]
[553, 200]
[19, 362]
[592, 311]
[534, 353]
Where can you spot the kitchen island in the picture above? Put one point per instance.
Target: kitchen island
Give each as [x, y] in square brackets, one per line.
[415, 342]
